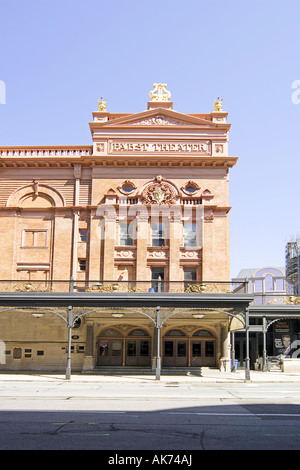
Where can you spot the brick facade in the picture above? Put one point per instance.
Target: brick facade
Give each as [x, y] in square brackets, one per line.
[147, 201]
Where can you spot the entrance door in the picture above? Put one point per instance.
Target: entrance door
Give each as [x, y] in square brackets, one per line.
[110, 352]
[116, 349]
[202, 349]
[137, 352]
[137, 348]
[202, 353]
[175, 349]
[110, 348]
[175, 353]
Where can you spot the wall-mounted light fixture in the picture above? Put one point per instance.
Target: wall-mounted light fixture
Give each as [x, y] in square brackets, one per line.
[38, 314]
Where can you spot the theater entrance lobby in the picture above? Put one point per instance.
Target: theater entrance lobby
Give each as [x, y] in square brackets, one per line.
[118, 348]
[187, 346]
[183, 350]
[91, 332]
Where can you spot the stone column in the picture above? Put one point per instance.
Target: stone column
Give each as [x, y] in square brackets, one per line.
[88, 363]
[225, 347]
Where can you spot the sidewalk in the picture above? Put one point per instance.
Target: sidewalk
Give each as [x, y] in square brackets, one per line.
[208, 376]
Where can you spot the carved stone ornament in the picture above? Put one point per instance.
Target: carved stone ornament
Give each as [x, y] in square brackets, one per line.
[218, 105]
[159, 193]
[77, 171]
[102, 105]
[160, 92]
[160, 120]
[100, 147]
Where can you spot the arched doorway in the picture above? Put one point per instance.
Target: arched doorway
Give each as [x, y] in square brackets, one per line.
[202, 349]
[137, 348]
[110, 348]
[182, 350]
[175, 349]
[115, 348]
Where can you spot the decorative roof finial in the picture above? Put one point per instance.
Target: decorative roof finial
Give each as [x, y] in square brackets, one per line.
[160, 92]
[218, 104]
[101, 104]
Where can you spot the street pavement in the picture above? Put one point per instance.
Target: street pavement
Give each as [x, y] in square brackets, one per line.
[119, 414]
[207, 376]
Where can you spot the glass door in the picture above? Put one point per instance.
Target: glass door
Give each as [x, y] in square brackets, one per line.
[137, 352]
[175, 352]
[110, 352]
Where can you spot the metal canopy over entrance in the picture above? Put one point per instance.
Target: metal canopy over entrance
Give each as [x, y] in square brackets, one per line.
[157, 307]
[118, 299]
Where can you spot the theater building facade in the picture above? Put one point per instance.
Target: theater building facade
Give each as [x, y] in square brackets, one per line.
[143, 212]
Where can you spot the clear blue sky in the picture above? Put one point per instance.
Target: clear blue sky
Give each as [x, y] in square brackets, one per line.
[58, 57]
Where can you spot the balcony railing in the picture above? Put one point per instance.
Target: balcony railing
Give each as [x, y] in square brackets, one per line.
[151, 286]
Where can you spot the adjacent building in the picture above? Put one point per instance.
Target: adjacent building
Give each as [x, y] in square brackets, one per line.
[292, 260]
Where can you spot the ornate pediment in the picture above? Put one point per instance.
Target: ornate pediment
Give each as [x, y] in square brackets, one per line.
[160, 120]
[157, 117]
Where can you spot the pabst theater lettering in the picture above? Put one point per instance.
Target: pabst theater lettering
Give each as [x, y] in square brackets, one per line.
[185, 147]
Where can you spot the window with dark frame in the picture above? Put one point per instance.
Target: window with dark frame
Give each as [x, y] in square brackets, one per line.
[82, 264]
[83, 235]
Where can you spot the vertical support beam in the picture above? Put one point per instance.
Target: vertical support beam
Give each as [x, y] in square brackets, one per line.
[265, 365]
[70, 324]
[158, 358]
[232, 351]
[247, 368]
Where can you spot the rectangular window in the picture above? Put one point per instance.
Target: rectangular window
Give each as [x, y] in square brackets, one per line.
[144, 348]
[181, 349]
[35, 238]
[190, 234]
[169, 349]
[190, 274]
[209, 349]
[83, 235]
[158, 233]
[196, 349]
[126, 234]
[82, 264]
[157, 279]
[131, 348]
[116, 348]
